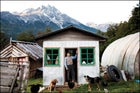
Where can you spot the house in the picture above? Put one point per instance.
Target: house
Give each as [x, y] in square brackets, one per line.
[19, 52]
[70, 39]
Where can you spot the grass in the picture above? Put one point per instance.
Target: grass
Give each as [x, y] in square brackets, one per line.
[113, 87]
[33, 81]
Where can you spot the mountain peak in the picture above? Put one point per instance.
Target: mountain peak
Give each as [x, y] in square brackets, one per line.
[103, 27]
[42, 7]
[49, 7]
[40, 10]
[40, 18]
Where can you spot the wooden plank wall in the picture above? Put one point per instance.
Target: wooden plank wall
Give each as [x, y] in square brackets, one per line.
[11, 80]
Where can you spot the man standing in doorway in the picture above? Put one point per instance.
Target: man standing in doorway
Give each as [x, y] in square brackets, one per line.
[69, 66]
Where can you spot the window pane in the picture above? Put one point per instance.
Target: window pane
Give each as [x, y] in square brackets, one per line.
[53, 62]
[48, 51]
[84, 51]
[55, 56]
[52, 56]
[49, 62]
[87, 55]
[84, 61]
[56, 60]
[90, 50]
[90, 55]
[48, 57]
[84, 55]
[55, 51]
[90, 61]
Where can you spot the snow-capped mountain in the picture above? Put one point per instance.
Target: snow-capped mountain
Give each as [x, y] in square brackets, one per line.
[102, 27]
[37, 20]
[43, 14]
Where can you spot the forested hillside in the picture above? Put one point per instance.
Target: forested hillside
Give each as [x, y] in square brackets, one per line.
[122, 29]
[113, 33]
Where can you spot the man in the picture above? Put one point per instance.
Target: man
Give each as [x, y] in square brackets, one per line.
[69, 66]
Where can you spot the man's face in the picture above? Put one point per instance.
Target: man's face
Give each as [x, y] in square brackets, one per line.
[68, 54]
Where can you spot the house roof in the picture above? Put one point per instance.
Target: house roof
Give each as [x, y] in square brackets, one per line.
[33, 50]
[70, 28]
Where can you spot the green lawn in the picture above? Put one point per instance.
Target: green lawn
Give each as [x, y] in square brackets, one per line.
[34, 81]
[117, 87]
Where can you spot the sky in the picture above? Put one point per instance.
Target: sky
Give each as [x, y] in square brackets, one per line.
[98, 12]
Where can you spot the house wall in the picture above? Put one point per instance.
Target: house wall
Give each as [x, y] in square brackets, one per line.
[69, 35]
[72, 35]
[34, 64]
[52, 72]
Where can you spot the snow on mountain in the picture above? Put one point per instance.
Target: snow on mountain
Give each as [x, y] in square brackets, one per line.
[102, 27]
[37, 20]
[45, 14]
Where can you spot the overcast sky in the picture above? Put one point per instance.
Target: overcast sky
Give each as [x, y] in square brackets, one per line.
[84, 11]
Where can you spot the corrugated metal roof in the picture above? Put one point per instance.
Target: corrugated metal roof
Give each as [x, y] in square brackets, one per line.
[32, 49]
[122, 53]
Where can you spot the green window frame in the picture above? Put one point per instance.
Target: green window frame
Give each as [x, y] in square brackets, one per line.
[52, 57]
[87, 56]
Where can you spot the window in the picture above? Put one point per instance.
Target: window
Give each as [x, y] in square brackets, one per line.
[87, 56]
[51, 56]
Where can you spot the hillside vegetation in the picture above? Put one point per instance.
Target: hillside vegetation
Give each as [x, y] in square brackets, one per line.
[122, 29]
[113, 32]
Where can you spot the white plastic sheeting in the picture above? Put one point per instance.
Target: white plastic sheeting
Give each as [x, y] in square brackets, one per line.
[123, 53]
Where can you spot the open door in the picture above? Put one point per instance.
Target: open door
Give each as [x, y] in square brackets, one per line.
[72, 51]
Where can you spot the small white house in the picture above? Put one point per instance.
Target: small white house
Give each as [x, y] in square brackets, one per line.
[70, 39]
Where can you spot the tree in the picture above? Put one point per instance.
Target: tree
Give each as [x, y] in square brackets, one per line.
[122, 29]
[135, 20]
[100, 32]
[47, 30]
[26, 36]
[4, 40]
[111, 31]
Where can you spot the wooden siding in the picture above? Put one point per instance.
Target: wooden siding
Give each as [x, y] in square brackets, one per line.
[12, 74]
[72, 35]
[19, 51]
[22, 49]
[33, 66]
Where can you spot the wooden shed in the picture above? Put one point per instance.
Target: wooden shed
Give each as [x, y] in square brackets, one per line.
[70, 39]
[20, 51]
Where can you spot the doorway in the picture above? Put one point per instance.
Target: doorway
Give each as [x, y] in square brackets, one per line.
[72, 52]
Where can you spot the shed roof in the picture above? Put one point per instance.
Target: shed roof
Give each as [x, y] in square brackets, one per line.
[33, 50]
[70, 28]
